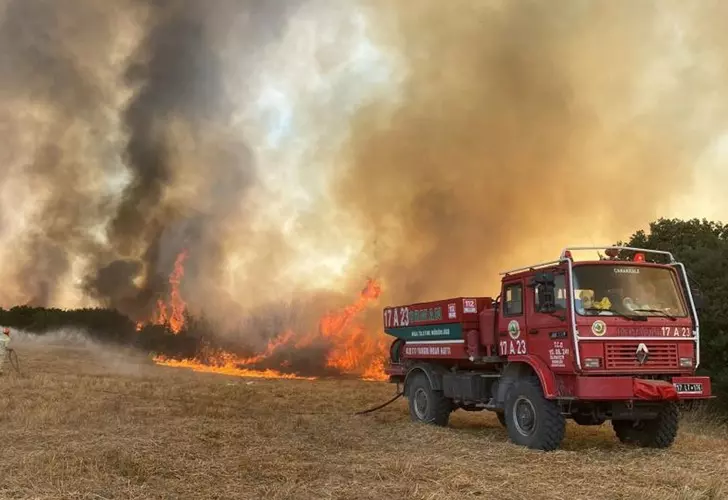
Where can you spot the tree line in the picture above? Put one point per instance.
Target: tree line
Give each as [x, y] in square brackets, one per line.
[104, 325]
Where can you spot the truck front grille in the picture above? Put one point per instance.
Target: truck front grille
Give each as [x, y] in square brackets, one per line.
[622, 355]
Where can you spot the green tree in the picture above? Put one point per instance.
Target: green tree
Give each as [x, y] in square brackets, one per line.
[702, 246]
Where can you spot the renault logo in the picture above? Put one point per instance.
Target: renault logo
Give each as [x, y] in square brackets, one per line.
[642, 354]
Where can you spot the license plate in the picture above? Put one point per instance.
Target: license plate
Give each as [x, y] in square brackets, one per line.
[689, 388]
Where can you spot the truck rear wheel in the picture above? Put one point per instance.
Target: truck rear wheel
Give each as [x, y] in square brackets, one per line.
[659, 432]
[531, 419]
[427, 405]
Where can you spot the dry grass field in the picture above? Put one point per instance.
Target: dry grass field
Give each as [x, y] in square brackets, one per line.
[87, 422]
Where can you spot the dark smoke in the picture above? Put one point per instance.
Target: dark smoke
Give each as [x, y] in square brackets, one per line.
[188, 172]
[180, 75]
[51, 64]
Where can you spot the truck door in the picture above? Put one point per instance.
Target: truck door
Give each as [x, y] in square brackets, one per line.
[512, 320]
[548, 331]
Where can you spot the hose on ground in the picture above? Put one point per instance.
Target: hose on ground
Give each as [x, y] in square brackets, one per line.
[370, 410]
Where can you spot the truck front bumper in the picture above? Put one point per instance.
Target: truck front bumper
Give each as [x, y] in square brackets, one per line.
[633, 388]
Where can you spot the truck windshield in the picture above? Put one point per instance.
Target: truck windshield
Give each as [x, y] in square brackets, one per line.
[627, 289]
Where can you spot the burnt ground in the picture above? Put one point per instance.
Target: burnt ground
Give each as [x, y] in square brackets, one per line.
[89, 422]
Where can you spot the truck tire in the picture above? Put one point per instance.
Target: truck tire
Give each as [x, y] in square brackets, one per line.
[659, 432]
[531, 419]
[427, 405]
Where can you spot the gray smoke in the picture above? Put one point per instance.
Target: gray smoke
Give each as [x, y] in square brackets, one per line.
[524, 126]
[186, 171]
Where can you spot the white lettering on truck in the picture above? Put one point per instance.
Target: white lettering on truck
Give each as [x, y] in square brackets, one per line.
[427, 350]
[512, 347]
[557, 354]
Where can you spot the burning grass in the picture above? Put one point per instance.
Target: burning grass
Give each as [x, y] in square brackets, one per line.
[227, 367]
[88, 423]
[347, 347]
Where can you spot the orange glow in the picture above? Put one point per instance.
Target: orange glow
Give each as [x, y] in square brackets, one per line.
[228, 368]
[172, 314]
[161, 314]
[375, 371]
[269, 350]
[352, 350]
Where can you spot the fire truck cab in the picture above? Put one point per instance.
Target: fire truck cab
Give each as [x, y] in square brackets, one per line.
[613, 338]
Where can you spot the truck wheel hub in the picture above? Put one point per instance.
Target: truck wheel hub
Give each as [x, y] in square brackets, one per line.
[524, 416]
[421, 403]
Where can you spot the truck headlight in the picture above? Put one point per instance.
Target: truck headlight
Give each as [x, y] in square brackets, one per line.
[686, 362]
[592, 362]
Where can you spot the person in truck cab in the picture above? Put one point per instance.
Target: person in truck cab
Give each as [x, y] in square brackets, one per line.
[647, 297]
[585, 301]
[649, 300]
[586, 305]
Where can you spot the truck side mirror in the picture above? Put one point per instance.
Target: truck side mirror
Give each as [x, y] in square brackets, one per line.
[543, 279]
[547, 278]
[546, 298]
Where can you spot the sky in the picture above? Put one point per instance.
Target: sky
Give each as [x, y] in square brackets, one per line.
[293, 75]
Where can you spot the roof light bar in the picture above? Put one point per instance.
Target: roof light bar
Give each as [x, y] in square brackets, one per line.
[611, 248]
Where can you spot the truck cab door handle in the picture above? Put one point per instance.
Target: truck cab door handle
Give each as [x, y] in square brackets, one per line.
[533, 331]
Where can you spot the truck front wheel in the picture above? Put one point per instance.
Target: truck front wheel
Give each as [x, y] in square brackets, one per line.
[531, 419]
[426, 404]
[659, 432]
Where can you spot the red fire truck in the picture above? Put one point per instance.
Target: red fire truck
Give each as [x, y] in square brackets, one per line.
[615, 337]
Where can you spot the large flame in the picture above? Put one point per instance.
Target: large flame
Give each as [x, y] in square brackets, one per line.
[171, 314]
[351, 349]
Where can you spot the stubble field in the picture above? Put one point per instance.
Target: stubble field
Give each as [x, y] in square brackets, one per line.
[91, 422]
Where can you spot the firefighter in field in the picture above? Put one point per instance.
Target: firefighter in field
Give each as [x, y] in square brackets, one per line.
[4, 341]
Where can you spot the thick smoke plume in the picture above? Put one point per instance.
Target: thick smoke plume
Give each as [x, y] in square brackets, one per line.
[157, 117]
[521, 127]
[179, 80]
[55, 66]
[483, 135]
